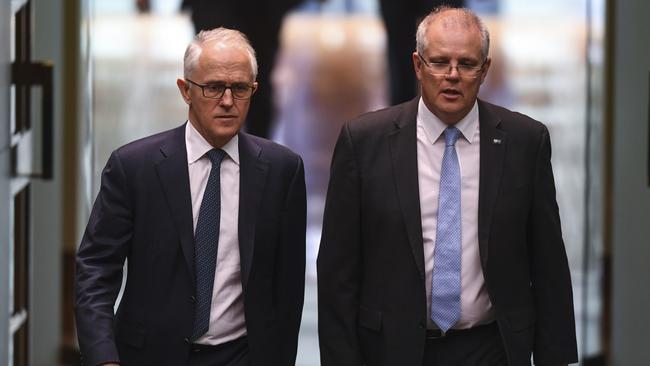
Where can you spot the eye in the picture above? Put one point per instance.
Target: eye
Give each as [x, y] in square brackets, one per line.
[240, 88]
[467, 67]
[439, 65]
[215, 88]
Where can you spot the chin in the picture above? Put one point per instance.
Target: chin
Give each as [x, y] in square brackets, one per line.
[227, 132]
[453, 108]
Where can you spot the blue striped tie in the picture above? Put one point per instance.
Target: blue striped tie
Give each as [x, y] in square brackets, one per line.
[206, 240]
[445, 282]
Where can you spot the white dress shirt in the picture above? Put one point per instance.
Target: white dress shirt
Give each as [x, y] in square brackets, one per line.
[227, 313]
[476, 308]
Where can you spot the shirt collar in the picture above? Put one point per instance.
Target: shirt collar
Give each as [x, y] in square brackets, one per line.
[197, 146]
[434, 127]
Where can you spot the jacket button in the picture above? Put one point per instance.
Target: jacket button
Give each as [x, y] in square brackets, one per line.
[192, 299]
[423, 324]
[186, 340]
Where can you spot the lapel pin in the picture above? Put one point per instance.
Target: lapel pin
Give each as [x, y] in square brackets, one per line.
[496, 141]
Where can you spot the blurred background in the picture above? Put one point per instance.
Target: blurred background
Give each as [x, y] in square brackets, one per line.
[79, 78]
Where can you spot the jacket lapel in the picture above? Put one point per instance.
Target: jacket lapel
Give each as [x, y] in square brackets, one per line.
[174, 178]
[493, 148]
[252, 181]
[403, 151]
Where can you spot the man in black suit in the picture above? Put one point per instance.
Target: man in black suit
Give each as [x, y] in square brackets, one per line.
[211, 222]
[441, 239]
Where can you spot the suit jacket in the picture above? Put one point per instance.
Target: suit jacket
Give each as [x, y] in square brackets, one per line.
[371, 275]
[143, 214]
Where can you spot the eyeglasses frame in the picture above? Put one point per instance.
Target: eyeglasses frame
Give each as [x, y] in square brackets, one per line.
[252, 86]
[477, 71]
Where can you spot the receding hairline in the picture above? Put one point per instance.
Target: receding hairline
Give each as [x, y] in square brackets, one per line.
[449, 17]
[221, 45]
[218, 37]
[454, 17]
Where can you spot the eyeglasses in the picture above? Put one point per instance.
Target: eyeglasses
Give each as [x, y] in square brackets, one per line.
[444, 68]
[217, 90]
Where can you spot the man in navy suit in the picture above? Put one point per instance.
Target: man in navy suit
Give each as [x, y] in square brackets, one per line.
[441, 239]
[211, 222]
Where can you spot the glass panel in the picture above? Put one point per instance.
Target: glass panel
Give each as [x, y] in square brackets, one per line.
[134, 89]
[592, 313]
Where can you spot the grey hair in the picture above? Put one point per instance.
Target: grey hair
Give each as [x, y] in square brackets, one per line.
[463, 16]
[229, 37]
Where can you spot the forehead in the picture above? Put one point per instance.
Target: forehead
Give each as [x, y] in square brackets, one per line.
[224, 62]
[453, 35]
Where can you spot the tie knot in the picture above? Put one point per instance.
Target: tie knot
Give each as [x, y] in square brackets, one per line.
[451, 136]
[216, 156]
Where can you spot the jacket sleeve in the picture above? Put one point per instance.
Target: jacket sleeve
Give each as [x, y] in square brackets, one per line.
[555, 337]
[291, 266]
[339, 260]
[99, 262]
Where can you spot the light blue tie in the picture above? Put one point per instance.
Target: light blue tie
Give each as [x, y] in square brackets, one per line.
[445, 282]
[206, 240]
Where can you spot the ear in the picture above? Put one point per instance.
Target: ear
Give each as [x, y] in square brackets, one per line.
[184, 88]
[417, 65]
[486, 67]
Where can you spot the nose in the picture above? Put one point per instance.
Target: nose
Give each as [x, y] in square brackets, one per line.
[453, 72]
[227, 99]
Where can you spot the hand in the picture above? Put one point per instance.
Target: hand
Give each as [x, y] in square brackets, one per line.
[110, 364]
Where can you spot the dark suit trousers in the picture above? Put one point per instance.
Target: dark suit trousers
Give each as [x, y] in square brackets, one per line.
[233, 353]
[481, 346]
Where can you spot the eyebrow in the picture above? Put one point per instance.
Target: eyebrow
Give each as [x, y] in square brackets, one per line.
[222, 82]
[446, 59]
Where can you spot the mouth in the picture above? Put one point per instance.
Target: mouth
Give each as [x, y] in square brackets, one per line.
[451, 93]
[226, 116]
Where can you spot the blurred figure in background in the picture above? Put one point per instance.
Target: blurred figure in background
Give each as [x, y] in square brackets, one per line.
[400, 20]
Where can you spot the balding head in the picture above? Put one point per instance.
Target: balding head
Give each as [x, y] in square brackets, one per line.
[218, 36]
[452, 18]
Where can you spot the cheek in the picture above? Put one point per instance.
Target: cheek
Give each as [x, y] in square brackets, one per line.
[431, 87]
[208, 108]
[204, 111]
[243, 107]
[474, 88]
[199, 104]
